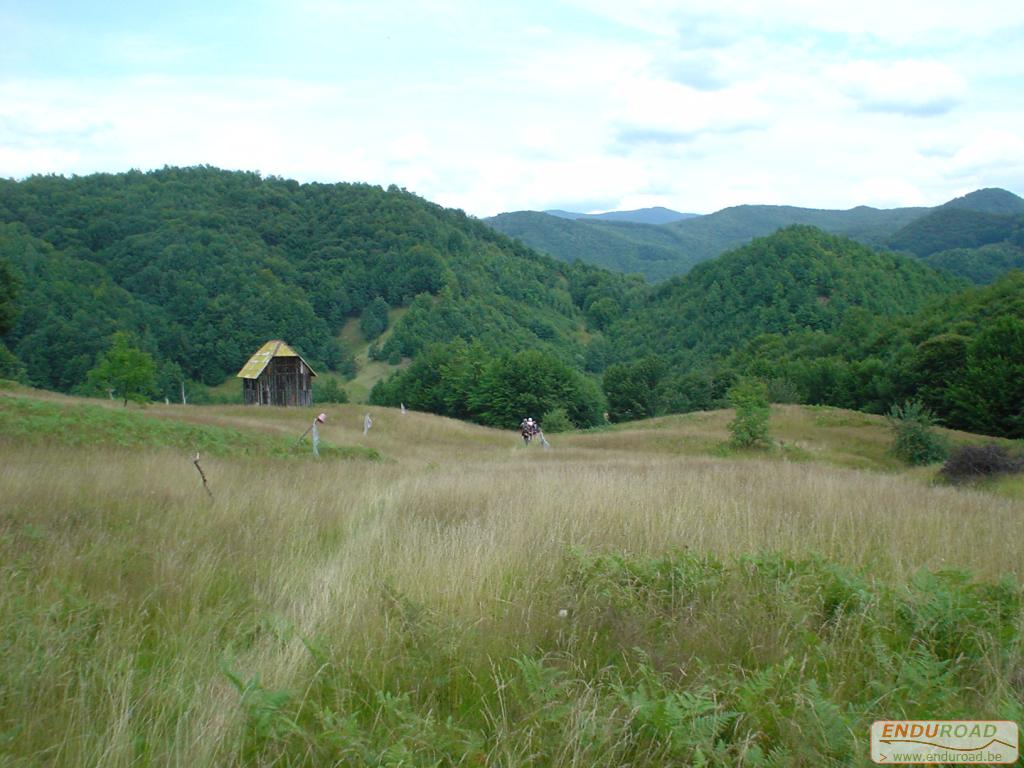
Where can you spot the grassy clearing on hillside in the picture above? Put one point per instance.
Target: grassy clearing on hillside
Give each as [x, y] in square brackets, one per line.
[716, 610]
[368, 372]
[38, 421]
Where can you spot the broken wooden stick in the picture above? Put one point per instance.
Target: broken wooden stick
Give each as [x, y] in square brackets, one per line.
[320, 419]
[202, 474]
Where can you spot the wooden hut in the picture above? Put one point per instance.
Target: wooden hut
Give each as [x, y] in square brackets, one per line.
[277, 375]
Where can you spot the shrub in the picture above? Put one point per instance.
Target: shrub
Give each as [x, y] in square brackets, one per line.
[973, 462]
[556, 420]
[783, 390]
[329, 391]
[916, 442]
[749, 427]
[374, 319]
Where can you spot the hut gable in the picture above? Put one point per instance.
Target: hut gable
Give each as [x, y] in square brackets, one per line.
[277, 375]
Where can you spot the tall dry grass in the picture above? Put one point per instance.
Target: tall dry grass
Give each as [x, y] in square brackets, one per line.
[130, 601]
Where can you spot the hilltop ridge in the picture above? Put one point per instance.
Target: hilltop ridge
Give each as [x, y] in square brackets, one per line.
[659, 255]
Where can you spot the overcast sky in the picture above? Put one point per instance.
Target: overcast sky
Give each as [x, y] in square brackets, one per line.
[491, 106]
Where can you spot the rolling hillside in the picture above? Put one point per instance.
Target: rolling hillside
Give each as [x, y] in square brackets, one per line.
[660, 252]
[969, 221]
[657, 215]
[656, 252]
[989, 200]
[979, 236]
[202, 266]
[799, 278]
[725, 229]
[947, 228]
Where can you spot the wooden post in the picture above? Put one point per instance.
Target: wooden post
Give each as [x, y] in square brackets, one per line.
[202, 475]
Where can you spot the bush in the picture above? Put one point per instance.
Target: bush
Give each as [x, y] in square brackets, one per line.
[783, 390]
[329, 391]
[556, 420]
[374, 319]
[749, 428]
[916, 442]
[974, 462]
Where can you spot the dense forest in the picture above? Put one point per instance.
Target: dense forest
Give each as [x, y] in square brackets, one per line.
[800, 278]
[195, 268]
[654, 251]
[662, 251]
[977, 220]
[979, 236]
[466, 382]
[962, 355]
[202, 266]
[823, 320]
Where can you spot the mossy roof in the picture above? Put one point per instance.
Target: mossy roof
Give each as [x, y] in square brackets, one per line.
[263, 356]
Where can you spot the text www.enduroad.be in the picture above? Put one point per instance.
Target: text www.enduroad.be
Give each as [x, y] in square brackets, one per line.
[981, 756]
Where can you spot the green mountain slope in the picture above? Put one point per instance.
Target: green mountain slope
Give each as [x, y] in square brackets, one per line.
[946, 228]
[981, 265]
[656, 215]
[203, 265]
[659, 252]
[989, 200]
[962, 355]
[979, 236]
[656, 252]
[673, 248]
[799, 278]
[728, 228]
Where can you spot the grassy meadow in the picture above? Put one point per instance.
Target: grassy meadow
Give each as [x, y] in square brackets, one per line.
[434, 593]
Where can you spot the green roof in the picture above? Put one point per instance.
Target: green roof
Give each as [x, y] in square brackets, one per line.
[266, 353]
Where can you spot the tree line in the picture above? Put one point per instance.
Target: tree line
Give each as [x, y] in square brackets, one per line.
[197, 267]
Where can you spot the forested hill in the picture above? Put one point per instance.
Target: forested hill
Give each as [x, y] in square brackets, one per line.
[989, 200]
[656, 252]
[798, 279]
[978, 219]
[202, 266]
[656, 215]
[659, 252]
[979, 236]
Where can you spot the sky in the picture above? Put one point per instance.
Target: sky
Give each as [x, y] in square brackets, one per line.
[492, 106]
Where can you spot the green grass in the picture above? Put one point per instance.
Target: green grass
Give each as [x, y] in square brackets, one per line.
[626, 598]
[650, 662]
[368, 372]
[40, 421]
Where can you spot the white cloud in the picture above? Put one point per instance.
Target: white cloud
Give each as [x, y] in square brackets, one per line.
[918, 88]
[898, 22]
[694, 107]
[889, 192]
[992, 158]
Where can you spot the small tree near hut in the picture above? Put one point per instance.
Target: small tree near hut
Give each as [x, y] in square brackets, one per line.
[124, 369]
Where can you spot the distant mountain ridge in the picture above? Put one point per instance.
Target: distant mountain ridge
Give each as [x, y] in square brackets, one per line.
[656, 252]
[655, 215]
[665, 250]
[979, 236]
[989, 200]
